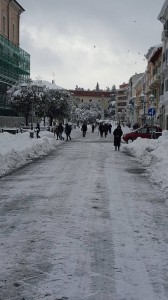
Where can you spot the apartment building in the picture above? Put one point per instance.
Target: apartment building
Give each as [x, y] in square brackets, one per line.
[153, 79]
[14, 61]
[163, 101]
[132, 107]
[122, 102]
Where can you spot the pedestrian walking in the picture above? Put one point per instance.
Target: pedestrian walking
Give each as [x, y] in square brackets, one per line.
[117, 137]
[109, 127]
[56, 131]
[93, 127]
[105, 129]
[60, 131]
[84, 128]
[101, 129]
[38, 130]
[68, 131]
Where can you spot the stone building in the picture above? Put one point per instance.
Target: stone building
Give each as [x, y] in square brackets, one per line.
[101, 97]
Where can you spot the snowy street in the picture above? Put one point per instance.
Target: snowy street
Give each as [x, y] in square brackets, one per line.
[84, 223]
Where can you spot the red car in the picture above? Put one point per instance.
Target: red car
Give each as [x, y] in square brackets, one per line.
[143, 132]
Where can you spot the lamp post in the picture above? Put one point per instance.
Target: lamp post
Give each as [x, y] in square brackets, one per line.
[31, 89]
[152, 100]
[142, 98]
[130, 118]
[136, 113]
[34, 89]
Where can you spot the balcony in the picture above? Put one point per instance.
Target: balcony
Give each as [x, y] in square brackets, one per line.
[155, 81]
[157, 78]
[164, 35]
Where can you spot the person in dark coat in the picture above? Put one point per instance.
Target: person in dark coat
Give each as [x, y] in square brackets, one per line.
[38, 130]
[93, 127]
[105, 129]
[68, 131]
[101, 129]
[117, 137]
[56, 131]
[84, 128]
[109, 127]
[60, 130]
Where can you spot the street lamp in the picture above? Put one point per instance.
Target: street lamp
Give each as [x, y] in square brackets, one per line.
[152, 101]
[34, 89]
[130, 118]
[136, 113]
[142, 98]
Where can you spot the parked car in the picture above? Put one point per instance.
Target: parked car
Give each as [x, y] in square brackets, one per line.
[147, 132]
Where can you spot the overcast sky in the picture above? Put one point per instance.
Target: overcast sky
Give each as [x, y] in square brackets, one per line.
[82, 42]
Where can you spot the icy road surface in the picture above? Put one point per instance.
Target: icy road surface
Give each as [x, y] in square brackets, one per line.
[84, 223]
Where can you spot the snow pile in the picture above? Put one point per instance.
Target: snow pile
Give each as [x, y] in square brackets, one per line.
[19, 149]
[153, 155]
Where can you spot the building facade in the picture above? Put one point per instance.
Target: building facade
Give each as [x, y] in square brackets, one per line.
[122, 102]
[83, 96]
[153, 80]
[132, 107]
[163, 103]
[14, 61]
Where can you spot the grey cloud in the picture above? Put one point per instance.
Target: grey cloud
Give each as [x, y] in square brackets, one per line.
[108, 24]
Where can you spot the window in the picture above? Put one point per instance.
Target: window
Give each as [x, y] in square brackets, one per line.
[166, 25]
[162, 88]
[166, 85]
[4, 24]
[13, 31]
[143, 130]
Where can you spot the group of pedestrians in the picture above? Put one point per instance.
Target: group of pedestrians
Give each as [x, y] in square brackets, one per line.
[104, 129]
[59, 129]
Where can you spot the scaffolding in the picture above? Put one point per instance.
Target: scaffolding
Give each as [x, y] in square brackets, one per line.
[14, 66]
[14, 62]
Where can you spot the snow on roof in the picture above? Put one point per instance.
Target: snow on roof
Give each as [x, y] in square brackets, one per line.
[152, 51]
[50, 85]
[139, 81]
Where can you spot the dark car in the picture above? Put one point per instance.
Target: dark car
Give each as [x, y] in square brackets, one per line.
[147, 132]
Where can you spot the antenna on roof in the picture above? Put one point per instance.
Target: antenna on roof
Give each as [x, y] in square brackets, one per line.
[53, 80]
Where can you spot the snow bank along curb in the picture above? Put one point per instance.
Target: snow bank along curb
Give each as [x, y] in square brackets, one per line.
[19, 149]
[153, 155]
[34, 148]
